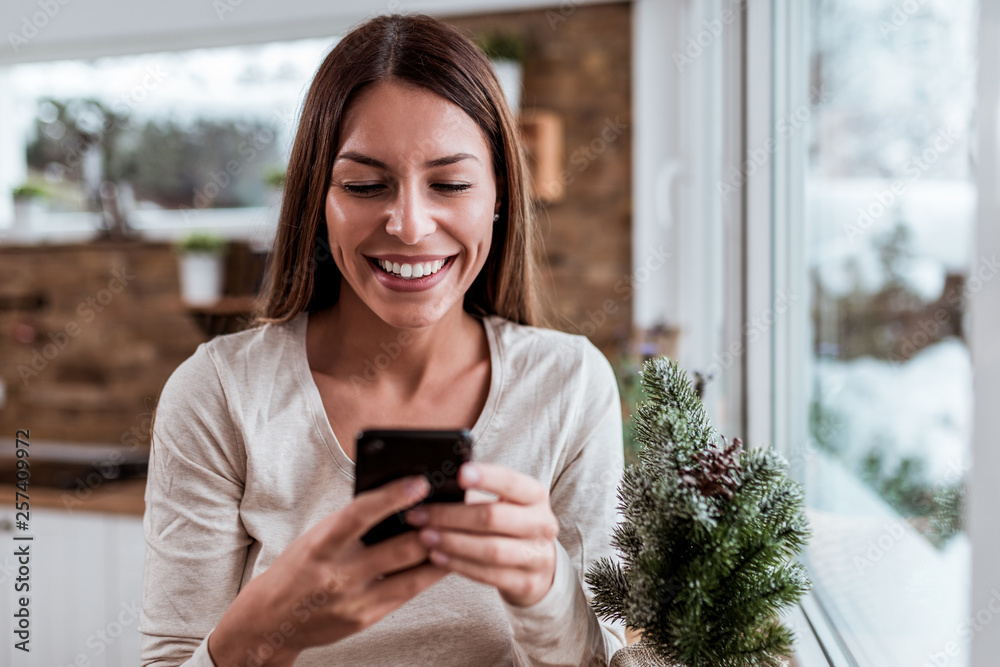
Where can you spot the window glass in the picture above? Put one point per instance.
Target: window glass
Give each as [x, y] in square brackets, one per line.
[890, 200]
[200, 129]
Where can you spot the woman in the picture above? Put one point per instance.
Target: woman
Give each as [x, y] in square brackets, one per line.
[401, 293]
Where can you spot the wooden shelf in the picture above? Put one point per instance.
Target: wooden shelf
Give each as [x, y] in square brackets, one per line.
[227, 315]
[227, 305]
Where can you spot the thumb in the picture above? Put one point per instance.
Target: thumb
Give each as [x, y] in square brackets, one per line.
[370, 507]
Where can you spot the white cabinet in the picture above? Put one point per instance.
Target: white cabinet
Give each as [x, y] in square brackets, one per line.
[86, 589]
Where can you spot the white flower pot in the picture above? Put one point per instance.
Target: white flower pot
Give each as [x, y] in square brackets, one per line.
[201, 276]
[272, 199]
[509, 73]
[25, 211]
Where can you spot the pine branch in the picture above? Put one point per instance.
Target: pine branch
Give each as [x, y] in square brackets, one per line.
[608, 581]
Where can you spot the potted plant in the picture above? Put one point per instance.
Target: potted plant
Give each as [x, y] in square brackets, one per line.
[708, 540]
[27, 203]
[506, 52]
[202, 256]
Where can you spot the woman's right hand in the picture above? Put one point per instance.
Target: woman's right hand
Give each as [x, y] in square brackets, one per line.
[327, 584]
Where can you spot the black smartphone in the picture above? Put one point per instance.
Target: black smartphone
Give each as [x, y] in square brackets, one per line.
[387, 454]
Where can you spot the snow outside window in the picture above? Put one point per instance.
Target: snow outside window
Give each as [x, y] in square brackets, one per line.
[889, 220]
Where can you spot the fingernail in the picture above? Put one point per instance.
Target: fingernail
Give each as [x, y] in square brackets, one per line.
[417, 516]
[431, 538]
[418, 487]
[438, 558]
[471, 473]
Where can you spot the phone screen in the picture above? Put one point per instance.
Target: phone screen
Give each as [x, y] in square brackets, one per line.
[384, 455]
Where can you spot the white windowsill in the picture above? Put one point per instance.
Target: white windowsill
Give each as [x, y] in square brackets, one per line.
[255, 225]
[894, 597]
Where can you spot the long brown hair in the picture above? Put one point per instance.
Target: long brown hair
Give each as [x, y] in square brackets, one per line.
[421, 50]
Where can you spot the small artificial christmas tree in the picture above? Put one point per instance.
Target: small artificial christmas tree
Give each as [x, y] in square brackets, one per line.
[708, 537]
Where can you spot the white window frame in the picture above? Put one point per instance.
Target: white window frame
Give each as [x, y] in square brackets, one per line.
[984, 497]
[687, 83]
[679, 163]
[775, 374]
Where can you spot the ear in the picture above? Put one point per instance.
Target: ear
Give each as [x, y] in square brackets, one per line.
[501, 191]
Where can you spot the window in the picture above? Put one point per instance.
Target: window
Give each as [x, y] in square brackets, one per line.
[179, 139]
[868, 228]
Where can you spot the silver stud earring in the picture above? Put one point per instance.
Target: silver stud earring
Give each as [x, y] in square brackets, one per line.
[496, 216]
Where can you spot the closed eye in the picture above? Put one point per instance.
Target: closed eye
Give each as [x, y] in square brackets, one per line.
[368, 190]
[453, 187]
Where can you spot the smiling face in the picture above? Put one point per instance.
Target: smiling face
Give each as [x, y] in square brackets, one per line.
[411, 202]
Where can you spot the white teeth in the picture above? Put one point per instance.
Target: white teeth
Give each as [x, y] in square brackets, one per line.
[412, 271]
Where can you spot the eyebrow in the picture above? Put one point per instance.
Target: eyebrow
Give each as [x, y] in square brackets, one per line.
[354, 156]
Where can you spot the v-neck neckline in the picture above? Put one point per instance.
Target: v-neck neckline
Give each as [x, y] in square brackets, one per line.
[322, 422]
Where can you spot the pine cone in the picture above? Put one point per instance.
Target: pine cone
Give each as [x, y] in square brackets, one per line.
[716, 470]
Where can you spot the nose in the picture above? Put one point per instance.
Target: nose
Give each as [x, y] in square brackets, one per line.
[410, 218]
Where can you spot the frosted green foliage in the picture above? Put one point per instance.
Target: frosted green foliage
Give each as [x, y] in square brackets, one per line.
[708, 540]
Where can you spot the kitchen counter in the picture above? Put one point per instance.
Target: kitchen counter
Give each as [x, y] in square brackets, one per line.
[118, 497]
[79, 476]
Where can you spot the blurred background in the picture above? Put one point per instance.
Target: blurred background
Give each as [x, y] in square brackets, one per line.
[786, 197]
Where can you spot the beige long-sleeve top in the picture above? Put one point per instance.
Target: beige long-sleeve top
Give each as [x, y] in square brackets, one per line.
[244, 461]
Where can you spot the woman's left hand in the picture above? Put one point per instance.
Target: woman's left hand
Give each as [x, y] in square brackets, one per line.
[508, 543]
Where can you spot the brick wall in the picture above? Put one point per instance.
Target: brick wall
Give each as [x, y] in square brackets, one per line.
[88, 335]
[578, 64]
